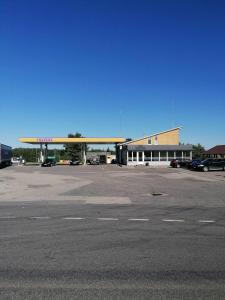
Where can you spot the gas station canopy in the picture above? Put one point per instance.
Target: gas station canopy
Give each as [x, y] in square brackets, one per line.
[65, 140]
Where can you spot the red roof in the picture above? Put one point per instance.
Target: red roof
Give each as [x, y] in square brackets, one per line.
[219, 149]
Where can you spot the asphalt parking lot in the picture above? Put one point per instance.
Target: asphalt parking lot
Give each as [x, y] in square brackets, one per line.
[109, 232]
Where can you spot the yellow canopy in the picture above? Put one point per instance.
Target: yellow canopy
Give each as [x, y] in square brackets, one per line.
[87, 140]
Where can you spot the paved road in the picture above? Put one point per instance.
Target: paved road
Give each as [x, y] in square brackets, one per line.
[74, 251]
[107, 233]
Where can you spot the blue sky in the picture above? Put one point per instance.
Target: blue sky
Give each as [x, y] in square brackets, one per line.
[112, 68]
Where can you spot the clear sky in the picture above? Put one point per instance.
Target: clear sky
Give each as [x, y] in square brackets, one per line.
[112, 68]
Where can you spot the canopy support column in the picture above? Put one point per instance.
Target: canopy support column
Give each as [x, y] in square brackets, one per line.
[84, 154]
[41, 158]
[46, 151]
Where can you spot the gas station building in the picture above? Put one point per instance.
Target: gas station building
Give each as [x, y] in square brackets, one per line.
[155, 149]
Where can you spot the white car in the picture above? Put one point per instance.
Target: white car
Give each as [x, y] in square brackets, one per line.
[16, 160]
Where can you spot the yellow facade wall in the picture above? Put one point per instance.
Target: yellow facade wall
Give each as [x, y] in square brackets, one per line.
[169, 138]
[140, 142]
[165, 138]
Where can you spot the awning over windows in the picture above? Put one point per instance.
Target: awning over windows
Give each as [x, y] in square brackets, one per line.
[160, 147]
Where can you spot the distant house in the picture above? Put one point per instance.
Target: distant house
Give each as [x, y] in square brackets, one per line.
[216, 152]
[104, 157]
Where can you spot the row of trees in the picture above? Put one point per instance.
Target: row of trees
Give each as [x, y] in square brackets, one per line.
[32, 154]
[70, 151]
[198, 151]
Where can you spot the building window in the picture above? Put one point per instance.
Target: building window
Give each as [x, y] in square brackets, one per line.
[150, 141]
[134, 156]
[163, 155]
[129, 155]
[187, 154]
[155, 155]
[140, 156]
[179, 154]
[170, 155]
[147, 155]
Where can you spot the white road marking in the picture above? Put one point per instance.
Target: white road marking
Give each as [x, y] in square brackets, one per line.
[143, 220]
[40, 217]
[173, 220]
[107, 219]
[206, 221]
[73, 218]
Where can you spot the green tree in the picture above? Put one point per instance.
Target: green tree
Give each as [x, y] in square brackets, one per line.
[29, 154]
[198, 151]
[32, 154]
[74, 151]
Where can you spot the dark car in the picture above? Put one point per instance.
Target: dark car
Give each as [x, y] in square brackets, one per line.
[74, 162]
[175, 163]
[113, 162]
[211, 164]
[48, 163]
[192, 165]
[184, 163]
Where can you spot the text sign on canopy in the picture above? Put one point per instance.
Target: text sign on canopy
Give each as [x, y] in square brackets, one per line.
[44, 140]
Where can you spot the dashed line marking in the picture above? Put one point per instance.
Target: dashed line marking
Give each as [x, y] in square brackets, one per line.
[142, 220]
[206, 221]
[73, 218]
[107, 219]
[173, 220]
[40, 218]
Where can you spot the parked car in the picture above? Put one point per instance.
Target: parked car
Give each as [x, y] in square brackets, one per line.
[183, 163]
[94, 161]
[210, 164]
[48, 163]
[175, 163]
[15, 160]
[192, 165]
[74, 162]
[113, 161]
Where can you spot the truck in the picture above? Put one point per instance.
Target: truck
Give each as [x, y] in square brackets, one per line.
[5, 156]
